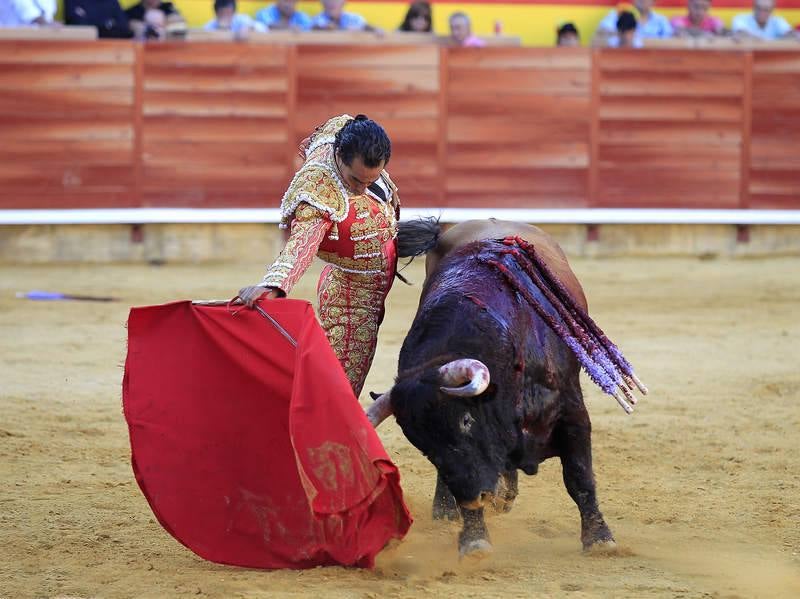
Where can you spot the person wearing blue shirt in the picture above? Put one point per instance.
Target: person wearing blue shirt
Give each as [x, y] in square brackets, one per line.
[761, 23]
[284, 15]
[648, 24]
[229, 20]
[333, 18]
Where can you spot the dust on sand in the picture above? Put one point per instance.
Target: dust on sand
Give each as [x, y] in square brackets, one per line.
[701, 485]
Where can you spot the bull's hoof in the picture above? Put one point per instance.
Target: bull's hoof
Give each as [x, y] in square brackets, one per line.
[609, 546]
[477, 549]
[600, 541]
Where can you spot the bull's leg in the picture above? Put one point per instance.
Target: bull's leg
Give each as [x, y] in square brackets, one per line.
[506, 492]
[444, 504]
[473, 540]
[575, 449]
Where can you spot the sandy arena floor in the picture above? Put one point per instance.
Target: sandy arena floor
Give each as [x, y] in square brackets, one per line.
[701, 486]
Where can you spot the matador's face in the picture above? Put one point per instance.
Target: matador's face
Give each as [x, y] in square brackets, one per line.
[357, 176]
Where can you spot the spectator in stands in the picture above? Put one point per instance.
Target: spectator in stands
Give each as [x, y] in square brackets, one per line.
[106, 15]
[697, 22]
[284, 15]
[419, 18]
[461, 32]
[154, 19]
[28, 13]
[334, 18]
[649, 24]
[626, 36]
[761, 23]
[227, 19]
[567, 35]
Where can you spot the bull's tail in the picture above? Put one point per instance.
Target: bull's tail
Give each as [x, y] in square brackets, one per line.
[602, 360]
[418, 236]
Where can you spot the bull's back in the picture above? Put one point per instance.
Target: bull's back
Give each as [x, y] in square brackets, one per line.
[546, 247]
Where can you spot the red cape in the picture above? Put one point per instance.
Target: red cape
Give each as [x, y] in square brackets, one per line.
[249, 451]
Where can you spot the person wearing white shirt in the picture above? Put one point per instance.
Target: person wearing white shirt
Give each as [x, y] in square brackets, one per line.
[25, 13]
[761, 23]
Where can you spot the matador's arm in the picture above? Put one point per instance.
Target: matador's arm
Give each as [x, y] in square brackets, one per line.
[308, 229]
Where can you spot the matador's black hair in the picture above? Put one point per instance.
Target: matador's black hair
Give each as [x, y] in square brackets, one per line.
[363, 137]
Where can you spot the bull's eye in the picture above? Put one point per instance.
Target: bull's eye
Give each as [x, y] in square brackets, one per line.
[466, 422]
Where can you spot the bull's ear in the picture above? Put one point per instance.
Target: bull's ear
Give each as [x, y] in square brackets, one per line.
[374, 395]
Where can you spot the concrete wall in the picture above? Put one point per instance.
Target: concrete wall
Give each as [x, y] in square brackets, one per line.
[37, 244]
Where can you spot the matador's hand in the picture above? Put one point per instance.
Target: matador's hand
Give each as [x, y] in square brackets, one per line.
[249, 295]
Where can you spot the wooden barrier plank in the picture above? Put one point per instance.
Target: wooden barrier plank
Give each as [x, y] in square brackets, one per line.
[654, 155]
[68, 77]
[534, 182]
[535, 153]
[670, 108]
[31, 52]
[390, 58]
[370, 79]
[48, 153]
[215, 129]
[215, 104]
[565, 82]
[681, 84]
[214, 79]
[657, 62]
[532, 106]
[31, 177]
[65, 104]
[512, 129]
[311, 103]
[200, 56]
[561, 59]
[638, 132]
[774, 62]
[15, 129]
[668, 188]
[20, 199]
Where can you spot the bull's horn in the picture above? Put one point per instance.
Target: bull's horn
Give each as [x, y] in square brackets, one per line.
[471, 376]
[380, 409]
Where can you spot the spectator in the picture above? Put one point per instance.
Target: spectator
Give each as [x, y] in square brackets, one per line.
[334, 18]
[418, 19]
[650, 24]
[461, 32]
[106, 15]
[626, 36]
[284, 15]
[227, 19]
[567, 35]
[27, 13]
[761, 23]
[152, 19]
[697, 21]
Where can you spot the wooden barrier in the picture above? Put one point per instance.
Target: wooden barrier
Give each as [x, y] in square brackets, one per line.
[669, 128]
[518, 125]
[67, 115]
[215, 125]
[204, 124]
[774, 149]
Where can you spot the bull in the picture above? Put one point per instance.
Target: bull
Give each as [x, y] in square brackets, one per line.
[487, 380]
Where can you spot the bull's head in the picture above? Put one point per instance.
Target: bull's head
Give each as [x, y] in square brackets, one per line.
[448, 413]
